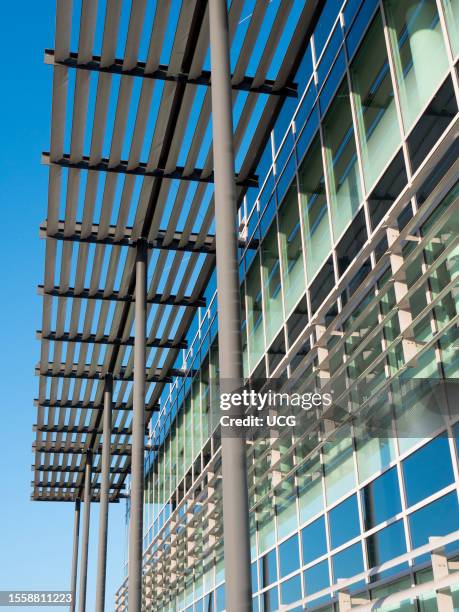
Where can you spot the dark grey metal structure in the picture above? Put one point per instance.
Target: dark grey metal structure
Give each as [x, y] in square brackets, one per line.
[126, 193]
[104, 495]
[235, 490]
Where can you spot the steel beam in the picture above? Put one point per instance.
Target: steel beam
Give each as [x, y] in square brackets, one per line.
[53, 336]
[85, 543]
[97, 374]
[70, 497]
[138, 433]
[75, 485]
[236, 539]
[76, 429]
[179, 241]
[114, 296]
[76, 536]
[162, 73]
[104, 495]
[77, 470]
[88, 405]
[140, 170]
[73, 450]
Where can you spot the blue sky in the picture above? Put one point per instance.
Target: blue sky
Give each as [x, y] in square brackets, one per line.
[35, 549]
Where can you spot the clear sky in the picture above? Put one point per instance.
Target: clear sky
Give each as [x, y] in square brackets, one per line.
[35, 537]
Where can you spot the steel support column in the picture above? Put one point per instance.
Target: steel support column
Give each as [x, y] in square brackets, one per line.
[235, 495]
[76, 537]
[138, 433]
[85, 543]
[104, 495]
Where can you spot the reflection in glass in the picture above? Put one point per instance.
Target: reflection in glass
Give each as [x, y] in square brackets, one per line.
[419, 52]
[344, 522]
[291, 249]
[314, 209]
[289, 556]
[254, 313]
[291, 590]
[386, 544]
[270, 272]
[314, 540]
[451, 8]
[437, 519]
[433, 461]
[377, 123]
[341, 160]
[381, 499]
[339, 466]
[348, 563]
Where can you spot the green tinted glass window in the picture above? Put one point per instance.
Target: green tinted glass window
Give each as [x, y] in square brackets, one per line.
[314, 209]
[419, 52]
[291, 249]
[341, 160]
[377, 123]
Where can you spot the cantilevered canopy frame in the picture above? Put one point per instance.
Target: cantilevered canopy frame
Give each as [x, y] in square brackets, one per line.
[131, 158]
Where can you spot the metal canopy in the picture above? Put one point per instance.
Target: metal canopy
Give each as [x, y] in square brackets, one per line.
[131, 159]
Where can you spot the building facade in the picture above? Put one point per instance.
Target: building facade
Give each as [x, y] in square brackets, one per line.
[350, 273]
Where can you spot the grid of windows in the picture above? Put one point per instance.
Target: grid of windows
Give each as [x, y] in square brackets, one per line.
[350, 150]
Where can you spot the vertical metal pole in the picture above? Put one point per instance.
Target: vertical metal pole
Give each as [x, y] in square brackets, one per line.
[76, 536]
[104, 495]
[235, 495]
[138, 433]
[85, 543]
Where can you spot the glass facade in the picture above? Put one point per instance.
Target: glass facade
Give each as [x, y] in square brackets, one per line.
[328, 508]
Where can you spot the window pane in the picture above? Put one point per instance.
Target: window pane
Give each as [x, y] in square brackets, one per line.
[316, 578]
[419, 52]
[254, 313]
[310, 495]
[270, 600]
[427, 470]
[269, 568]
[289, 556]
[291, 249]
[339, 466]
[437, 519]
[220, 598]
[291, 590]
[451, 8]
[377, 123]
[394, 587]
[314, 207]
[314, 540]
[381, 499]
[254, 577]
[344, 522]
[386, 544]
[271, 284]
[348, 563]
[341, 159]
